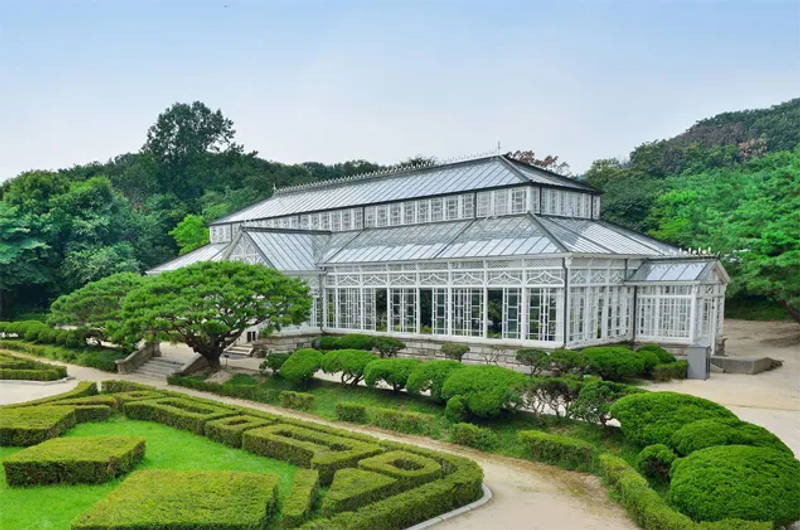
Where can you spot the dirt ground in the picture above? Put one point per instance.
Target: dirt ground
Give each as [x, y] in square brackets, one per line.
[535, 496]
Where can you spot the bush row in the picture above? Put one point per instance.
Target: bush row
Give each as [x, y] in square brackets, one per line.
[668, 371]
[181, 413]
[392, 419]
[25, 426]
[52, 373]
[298, 505]
[39, 332]
[385, 346]
[285, 398]
[354, 488]
[561, 451]
[471, 435]
[93, 357]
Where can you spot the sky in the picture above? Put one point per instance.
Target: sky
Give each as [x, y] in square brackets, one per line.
[332, 81]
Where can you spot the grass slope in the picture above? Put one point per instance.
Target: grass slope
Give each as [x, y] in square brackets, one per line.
[54, 507]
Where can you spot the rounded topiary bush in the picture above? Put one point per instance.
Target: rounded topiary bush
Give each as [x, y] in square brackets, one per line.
[454, 351]
[707, 433]
[615, 363]
[431, 376]
[652, 417]
[456, 409]
[394, 372]
[301, 366]
[664, 357]
[737, 481]
[654, 461]
[486, 390]
[356, 341]
[351, 364]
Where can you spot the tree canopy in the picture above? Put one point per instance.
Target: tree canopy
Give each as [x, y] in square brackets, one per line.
[190, 233]
[208, 305]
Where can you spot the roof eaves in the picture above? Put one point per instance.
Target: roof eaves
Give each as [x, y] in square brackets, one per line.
[553, 174]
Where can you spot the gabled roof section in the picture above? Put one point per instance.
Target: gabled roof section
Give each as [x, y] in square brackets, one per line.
[679, 271]
[488, 172]
[501, 236]
[210, 252]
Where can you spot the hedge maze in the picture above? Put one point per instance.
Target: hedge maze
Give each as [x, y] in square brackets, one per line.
[346, 479]
[18, 368]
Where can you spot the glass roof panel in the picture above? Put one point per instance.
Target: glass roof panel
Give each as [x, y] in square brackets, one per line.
[672, 271]
[211, 252]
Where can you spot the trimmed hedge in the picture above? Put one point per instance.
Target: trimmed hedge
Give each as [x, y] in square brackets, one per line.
[25, 426]
[181, 413]
[83, 355]
[617, 363]
[49, 374]
[104, 400]
[251, 392]
[74, 460]
[707, 433]
[308, 448]
[353, 488]
[351, 363]
[136, 395]
[654, 461]
[651, 417]
[228, 430]
[431, 375]
[296, 400]
[87, 413]
[456, 410]
[669, 371]
[751, 483]
[169, 499]
[298, 505]
[301, 366]
[409, 469]
[561, 451]
[401, 421]
[352, 412]
[113, 386]
[664, 357]
[393, 372]
[471, 435]
[486, 390]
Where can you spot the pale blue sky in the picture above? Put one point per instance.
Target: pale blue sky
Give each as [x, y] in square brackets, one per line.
[331, 81]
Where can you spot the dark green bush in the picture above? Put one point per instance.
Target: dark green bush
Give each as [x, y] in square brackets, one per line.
[353, 488]
[668, 371]
[93, 357]
[616, 363]
[564, 362]
[74, 460]
[455, 351]
[707, 433]
[751, 483]
[533, 359]
[355, 341]
[51, 373]
[471, 435]
[24, 426]
[275, 361]
[651, 417]
[350, 363]
[551, 395]
[170, 499]
[87, 413]
[181, 413]
[394, 372]
[486, 390]
[456, 409]
[301, 366]
[401, 421]
[431, 375]
[352, 412]
[329, 342]
[296, 400]
[388, 346]
[298, 505]
[561, 451]
[593, 404]
[654, 461]
[664, 357]
[112, 386]
[228, 430]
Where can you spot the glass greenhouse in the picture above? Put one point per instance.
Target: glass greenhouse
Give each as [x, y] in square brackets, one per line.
[488, 251]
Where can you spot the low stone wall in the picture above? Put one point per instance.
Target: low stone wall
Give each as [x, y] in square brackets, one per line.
[283, 343]
[133, 361]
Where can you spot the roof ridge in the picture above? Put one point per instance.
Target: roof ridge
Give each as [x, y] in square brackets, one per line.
[394, 170]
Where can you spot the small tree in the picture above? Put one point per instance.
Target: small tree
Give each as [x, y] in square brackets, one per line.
[455, 351]
[388, 346]
[190, 233]
[208, 305]
[535, 360]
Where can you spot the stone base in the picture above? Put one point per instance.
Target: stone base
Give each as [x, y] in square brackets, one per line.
[284, 342]
[744, 365]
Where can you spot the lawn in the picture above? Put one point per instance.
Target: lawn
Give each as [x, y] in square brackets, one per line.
[54, 507]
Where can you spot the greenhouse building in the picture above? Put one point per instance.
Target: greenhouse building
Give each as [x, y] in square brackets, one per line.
[489, 251]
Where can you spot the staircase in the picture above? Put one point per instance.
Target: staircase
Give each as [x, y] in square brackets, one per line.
[239, 350]
[159, 367]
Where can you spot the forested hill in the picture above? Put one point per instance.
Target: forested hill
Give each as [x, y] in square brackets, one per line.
[61, 229]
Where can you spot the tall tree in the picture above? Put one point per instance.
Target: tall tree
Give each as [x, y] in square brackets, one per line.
[190, 233]
[20, 253]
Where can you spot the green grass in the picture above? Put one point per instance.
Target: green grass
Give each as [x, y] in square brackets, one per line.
[53, 507]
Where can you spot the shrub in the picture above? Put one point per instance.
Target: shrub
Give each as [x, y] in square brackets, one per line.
[74, 460]
[651, 417]
[350, 363]
[430, 376]
[93, 357]
[86, 413]
[112, 386]
[388, 346]
[352, 412]
[615, 363]
[535, 360]
[650, 360]
[181, 413]
[401, 421]
[328, 342]
[568, 362]
[707, 433]
[355, 341]
[411, 469]
[353, 488]
[455, 351]
[664, 357]
[654, 461]
[227, 500]
[751, 483]
[593, 404]
[24, 426]
[456, 409]
[553, 394]
[274, 361]
[561, 451]
[471, 435]
[486, 389]
[52, 373]
[298, 505]
[228, 430]
[308, 448]
[136, 395]
[394, 372]
[668, 371]
[301, 366]
[296, 400]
